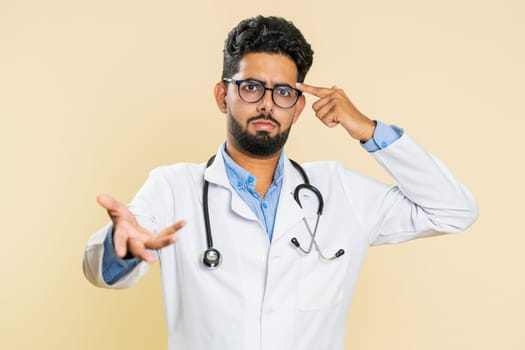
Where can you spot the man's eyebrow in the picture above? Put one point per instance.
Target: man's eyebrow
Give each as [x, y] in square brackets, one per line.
[255, 79]
[265, 83]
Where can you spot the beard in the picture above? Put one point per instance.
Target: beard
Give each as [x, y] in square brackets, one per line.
[261, 144]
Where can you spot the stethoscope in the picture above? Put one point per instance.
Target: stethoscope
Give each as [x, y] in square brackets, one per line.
[212, 258]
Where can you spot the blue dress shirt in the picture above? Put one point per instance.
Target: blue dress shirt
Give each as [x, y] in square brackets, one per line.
[114, 267]
[244, 184]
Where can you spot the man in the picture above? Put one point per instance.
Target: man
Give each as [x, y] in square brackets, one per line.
[278, 269]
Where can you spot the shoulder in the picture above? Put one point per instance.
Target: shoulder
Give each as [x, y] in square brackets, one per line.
[178, 173]
[326, 165]
[334, 172]
[324, 169]
[178, 168]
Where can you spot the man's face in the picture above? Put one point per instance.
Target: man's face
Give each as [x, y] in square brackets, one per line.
[260, 129]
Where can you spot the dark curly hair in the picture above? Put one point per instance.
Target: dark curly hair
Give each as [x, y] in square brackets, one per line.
[266, 34]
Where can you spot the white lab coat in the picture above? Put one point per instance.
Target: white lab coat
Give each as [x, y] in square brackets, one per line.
[270, 296]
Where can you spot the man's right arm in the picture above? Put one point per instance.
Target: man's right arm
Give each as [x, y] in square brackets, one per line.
[97, 260]
[113, 255]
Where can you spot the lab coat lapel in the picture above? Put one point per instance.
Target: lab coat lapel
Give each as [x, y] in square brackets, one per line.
[289, 213]
[216, 174]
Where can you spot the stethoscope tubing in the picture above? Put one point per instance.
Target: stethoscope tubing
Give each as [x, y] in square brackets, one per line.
[209, 239]
[212, 258]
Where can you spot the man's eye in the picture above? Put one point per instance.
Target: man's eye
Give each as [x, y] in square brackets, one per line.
[251, 87]
[284, 92]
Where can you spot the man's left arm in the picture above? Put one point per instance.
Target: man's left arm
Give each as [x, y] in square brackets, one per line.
[427, 199]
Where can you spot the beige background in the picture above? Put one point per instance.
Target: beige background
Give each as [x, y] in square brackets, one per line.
[94, 94]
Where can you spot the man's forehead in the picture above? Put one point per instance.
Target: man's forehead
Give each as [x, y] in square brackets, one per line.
[267, 68]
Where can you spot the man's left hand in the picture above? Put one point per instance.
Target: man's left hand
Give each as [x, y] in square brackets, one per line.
[333, 107]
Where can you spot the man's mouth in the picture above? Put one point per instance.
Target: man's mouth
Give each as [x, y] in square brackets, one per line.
[263, 125]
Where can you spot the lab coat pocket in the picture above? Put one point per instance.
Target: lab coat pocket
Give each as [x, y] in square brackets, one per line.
[321, 281]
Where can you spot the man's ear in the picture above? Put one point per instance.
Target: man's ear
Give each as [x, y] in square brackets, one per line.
[219, 92]
[299, 106]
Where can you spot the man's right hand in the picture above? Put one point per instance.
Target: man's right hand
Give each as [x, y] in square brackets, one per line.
[129, 236]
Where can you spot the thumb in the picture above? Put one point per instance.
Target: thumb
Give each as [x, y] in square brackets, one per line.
[115, 209]
[107, 202]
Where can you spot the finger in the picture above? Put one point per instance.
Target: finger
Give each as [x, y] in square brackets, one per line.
[165, 237]
[328, 113]
[324, 110]
[108, 202]
[172, 228]
[120, 242]
[330, 120]
[316, 106]
[145, 256]
[313, 90]
[333, 94]
[160, 242]
[138, 250]
[116, 210]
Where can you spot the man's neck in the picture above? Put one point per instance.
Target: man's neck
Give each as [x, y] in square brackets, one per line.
[262, 168]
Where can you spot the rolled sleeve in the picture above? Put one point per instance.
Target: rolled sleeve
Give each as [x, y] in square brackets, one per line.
[113, 266]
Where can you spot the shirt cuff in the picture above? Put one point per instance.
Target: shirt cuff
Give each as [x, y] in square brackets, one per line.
[384, 136]
[113, 266]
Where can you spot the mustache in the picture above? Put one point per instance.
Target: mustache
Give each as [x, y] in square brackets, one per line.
[263, 117]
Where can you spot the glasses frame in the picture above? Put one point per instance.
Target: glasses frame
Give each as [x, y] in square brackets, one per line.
[239, 82]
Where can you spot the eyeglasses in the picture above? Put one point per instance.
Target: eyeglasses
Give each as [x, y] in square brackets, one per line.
[253, 91]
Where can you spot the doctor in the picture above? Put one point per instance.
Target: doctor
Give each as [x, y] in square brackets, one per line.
[281, 258]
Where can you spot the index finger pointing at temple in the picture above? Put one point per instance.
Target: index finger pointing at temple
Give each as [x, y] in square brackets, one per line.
[313, 90]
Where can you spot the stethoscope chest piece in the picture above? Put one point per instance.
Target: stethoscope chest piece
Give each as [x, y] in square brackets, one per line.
[211, 258]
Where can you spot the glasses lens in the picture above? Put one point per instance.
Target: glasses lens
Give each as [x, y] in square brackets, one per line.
[251, 91]
[285, 96]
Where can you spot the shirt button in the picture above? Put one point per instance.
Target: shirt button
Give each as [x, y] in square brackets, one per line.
[239, 184]
[265, 205]
[250, 179]
[383, 144]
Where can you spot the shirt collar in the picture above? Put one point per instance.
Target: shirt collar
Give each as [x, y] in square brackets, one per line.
[240, 178]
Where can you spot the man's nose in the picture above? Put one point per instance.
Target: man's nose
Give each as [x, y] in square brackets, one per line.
[266, 103]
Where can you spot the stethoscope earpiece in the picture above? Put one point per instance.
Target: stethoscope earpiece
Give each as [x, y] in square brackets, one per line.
[296, 243]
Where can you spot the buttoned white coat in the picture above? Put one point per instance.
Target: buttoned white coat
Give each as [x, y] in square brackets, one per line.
[271, 296]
